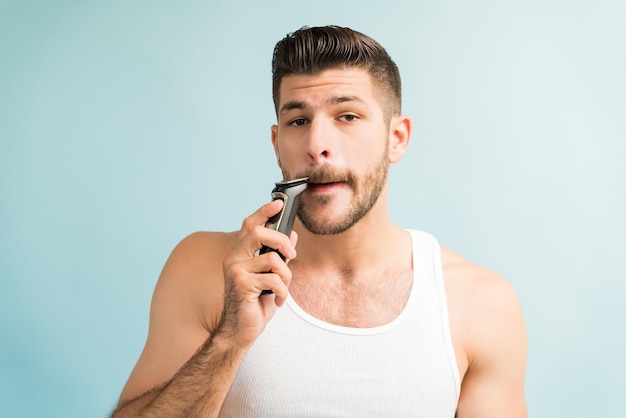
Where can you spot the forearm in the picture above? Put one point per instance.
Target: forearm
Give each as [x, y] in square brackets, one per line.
[197, 389]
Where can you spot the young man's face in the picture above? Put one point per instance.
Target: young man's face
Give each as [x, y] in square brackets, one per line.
[331, 128]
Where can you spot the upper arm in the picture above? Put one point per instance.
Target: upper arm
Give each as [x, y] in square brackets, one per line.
[186, 304]
[496, 347]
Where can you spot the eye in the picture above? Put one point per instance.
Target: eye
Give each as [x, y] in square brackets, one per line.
[297, 122]
[349, 117]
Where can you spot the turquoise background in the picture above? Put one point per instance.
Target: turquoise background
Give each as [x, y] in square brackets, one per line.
[126, 125]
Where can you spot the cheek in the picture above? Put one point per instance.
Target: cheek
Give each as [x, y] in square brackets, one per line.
[289, 158]
[368, 155]
[286, 152]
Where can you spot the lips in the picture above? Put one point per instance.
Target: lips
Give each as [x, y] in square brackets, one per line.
[323, 187]
[326, 179]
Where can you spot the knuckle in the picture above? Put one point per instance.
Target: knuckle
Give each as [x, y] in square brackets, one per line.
[229, 269]
[229, 264]
[257, 230]
[276, 262]
[234, 269]
[247, 223]
[237, 283]
[275, 258]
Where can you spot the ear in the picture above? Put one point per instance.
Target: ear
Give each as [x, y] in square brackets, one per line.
[275, 144]
[399, 137]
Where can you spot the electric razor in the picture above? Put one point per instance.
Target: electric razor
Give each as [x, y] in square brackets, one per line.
[289, 193]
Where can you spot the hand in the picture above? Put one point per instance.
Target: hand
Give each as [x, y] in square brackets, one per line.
[245, 313]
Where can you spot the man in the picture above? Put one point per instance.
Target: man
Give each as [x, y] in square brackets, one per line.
[368, 319]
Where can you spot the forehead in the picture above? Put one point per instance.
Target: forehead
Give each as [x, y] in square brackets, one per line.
[324, 86]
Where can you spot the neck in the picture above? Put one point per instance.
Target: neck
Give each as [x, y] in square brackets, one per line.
[360, 278]
[368, 245]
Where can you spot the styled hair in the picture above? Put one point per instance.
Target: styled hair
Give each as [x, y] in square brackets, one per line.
[311, 50]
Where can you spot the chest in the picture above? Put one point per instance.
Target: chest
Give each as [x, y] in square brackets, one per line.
[357, 305]
[307, 368]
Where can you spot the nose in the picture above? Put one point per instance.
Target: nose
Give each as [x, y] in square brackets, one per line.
[319, 147]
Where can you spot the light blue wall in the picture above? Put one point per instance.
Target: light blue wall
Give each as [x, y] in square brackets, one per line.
[125, 126]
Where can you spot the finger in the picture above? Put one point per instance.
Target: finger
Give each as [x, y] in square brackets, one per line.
[271, 282]
[273, 271]
[254, 235]
[248, 279]
[293, 238]
[261, 215]
[271, 240]
[262, 238]
[269, 263]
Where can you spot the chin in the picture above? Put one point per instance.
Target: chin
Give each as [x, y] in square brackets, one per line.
[330, 224]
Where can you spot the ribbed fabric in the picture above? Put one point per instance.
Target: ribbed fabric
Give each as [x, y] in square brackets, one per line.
[303, 367]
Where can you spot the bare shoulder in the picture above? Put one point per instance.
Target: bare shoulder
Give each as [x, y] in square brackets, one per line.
[186, 305]
[479, 299]
[489, 337]
[192, 276]
[194, 268]
[481, 288]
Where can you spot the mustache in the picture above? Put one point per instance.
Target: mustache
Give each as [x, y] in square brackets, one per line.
[325, 174]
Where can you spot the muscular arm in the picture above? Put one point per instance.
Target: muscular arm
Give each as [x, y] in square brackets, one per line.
[197, 389]
[206, 313]
[488, 326]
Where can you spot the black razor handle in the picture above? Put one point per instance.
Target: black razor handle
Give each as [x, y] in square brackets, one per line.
[289, 193]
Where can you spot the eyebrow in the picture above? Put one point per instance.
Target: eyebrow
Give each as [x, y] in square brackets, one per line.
[295, 104]
[347, 99]
[299, 105]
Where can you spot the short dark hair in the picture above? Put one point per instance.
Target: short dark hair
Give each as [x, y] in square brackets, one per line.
[311, 50]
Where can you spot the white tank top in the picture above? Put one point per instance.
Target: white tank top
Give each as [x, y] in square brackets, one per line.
[303, 367]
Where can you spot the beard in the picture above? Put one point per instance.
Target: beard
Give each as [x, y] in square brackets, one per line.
[366, 191]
